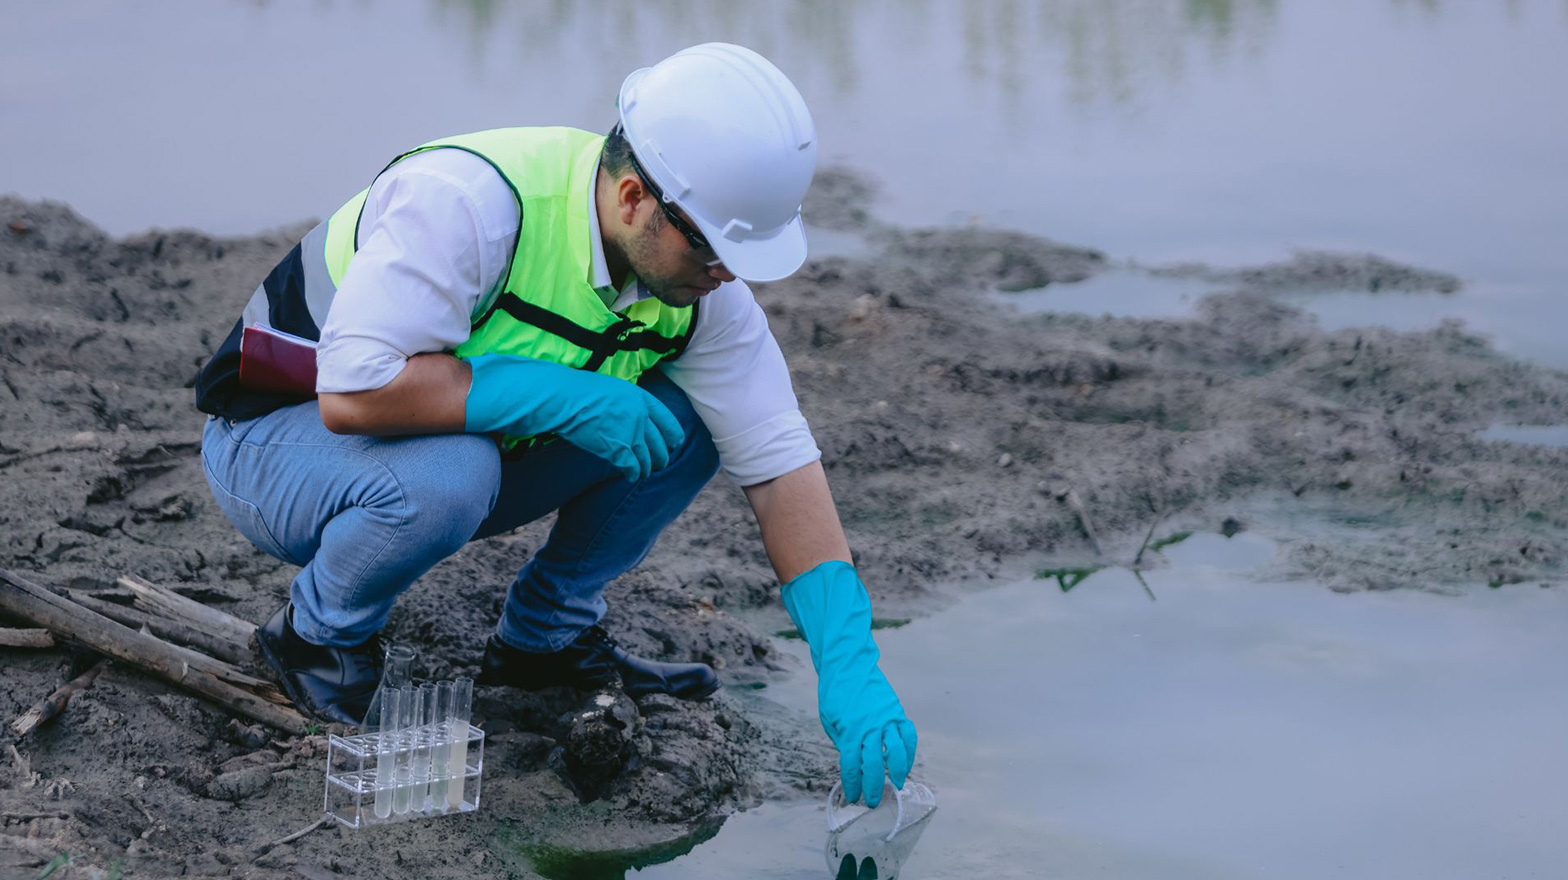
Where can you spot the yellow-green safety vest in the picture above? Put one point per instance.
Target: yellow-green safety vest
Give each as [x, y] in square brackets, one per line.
[547, 307]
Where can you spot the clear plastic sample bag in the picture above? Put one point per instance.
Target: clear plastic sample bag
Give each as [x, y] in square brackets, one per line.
[867, 844]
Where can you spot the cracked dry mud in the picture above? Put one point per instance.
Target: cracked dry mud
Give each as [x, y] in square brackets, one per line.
[949, 425]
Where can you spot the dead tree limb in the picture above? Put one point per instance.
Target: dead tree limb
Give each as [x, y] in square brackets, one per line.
[25, 638]
[224, 672]
[55, 703]
[164, 601]
[28, 601]
[166, 629]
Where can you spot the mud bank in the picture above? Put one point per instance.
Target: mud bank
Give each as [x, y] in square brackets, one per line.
[958, 437]
[1318, 271]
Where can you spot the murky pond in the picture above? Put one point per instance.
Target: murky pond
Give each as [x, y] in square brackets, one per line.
[1229, 131]
[1206, 725]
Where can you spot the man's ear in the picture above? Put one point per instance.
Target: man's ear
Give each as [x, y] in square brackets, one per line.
[629, 196]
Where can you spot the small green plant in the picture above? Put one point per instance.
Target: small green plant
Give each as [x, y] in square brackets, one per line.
[1067, 578]
[1169, 541]
[312, 729]
[55, 864]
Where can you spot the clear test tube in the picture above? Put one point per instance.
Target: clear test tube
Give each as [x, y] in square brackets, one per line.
[396, 671]
[403, 770]
[462, 707]
[441, 746]
[386, 752]
[428, 722]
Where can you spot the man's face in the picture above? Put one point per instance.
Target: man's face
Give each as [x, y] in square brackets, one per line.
[674, 272]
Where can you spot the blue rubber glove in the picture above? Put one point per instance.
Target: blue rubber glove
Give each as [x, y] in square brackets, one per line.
[858, 708]
[606, 416]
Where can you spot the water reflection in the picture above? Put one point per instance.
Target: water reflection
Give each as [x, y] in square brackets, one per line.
[1103, 49]
[556, 863]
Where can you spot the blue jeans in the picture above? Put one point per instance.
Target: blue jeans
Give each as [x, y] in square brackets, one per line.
[364, 517]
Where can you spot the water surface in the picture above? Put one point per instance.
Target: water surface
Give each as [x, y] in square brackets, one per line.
[1224, 728]
[1229, 131]
[1533, 435]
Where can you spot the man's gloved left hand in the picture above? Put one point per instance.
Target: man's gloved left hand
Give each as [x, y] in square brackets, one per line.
[605, 416]
[857, 706]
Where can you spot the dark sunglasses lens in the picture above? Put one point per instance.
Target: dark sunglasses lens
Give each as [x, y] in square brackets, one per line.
[693, 236]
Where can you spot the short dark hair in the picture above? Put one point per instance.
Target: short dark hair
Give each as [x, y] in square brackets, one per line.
[616, 160]
[617, 155]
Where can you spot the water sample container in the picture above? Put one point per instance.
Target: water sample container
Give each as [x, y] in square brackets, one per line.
[393, 775]
[458, 757]
[397, 669]
[385, 744]
[863, 842]
[441, 748]
[409, 721]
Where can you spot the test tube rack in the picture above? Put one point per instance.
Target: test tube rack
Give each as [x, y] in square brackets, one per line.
[422, 763]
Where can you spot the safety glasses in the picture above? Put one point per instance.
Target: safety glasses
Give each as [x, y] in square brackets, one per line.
[693, 236]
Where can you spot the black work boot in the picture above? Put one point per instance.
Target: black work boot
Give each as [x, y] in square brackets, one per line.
[333, 684]
[593, 660]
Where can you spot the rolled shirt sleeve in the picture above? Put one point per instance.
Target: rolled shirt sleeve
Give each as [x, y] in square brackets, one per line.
[736, 378]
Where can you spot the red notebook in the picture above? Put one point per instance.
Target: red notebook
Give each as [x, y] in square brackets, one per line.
[277, 362]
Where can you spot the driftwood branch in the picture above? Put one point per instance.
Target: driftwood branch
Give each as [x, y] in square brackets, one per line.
[166, 629]
[55, 703]
[30, 602]
[25, 638]
[164, 601]
[224, 672]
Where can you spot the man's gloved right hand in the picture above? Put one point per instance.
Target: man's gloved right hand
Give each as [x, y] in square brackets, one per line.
[606, 416]
[857, 706]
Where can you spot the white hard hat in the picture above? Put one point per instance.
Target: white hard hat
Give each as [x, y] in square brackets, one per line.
[728, 138]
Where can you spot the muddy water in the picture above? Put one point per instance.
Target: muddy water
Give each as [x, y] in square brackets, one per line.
[1225, 728]
[1228, 132]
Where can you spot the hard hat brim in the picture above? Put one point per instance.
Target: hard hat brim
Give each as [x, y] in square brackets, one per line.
[760, 259]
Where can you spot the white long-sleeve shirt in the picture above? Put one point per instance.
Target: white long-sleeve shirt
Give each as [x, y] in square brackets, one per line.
[435, 239]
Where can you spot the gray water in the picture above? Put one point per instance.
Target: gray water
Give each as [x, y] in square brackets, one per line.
[1225, 728]
[1532, 435]
[1228, 131]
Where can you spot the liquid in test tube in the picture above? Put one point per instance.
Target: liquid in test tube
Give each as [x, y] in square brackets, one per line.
[426, 724]
[441, 747]
[403, 768]
[462, 707]
[386, 751]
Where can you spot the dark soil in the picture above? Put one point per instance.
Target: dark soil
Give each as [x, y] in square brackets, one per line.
[955, 432]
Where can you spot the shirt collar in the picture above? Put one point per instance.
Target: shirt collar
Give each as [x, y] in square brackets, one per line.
[599, 271]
